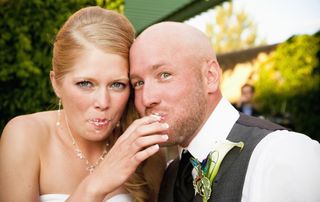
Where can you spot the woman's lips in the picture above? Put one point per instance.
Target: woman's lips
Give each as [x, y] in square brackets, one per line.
[99, 123]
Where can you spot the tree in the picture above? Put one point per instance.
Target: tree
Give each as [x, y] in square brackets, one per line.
[231, 30]
[117, 5]
[289, 83]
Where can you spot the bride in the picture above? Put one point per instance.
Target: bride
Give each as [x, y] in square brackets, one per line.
[82, 152]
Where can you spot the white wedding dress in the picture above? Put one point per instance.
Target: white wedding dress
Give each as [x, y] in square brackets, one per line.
[63, 197]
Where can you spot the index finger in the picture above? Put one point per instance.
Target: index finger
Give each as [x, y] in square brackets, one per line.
[139, 122]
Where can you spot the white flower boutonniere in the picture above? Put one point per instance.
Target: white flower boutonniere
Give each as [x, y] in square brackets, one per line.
[207, 170]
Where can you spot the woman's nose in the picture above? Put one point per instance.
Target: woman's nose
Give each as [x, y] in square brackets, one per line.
[102, 99]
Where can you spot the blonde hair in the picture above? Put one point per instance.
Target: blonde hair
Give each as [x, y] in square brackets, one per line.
[96, 27]
[112, 33]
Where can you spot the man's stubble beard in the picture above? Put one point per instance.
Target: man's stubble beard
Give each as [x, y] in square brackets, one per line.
[190, 117]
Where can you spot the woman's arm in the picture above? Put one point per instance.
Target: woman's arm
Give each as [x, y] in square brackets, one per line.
[19, 161]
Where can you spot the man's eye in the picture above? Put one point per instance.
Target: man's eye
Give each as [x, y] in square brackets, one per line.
[137, 84]
[165, 75]
[118, 85]
[84, 84]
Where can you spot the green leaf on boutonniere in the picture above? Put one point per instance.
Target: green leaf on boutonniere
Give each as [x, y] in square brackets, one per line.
[207, 170]
[201, 182]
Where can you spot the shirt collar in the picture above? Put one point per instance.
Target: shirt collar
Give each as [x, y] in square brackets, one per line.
[215, 130]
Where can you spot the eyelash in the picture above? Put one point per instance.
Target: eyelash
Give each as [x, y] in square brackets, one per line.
[123, 86]
[84, 84]
[88, 84]
[164, 73]
[137, 84]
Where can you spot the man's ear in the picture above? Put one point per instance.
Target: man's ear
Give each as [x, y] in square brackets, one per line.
[54, 84]
[213, 75]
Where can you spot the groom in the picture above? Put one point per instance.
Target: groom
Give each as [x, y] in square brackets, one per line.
[175, 74]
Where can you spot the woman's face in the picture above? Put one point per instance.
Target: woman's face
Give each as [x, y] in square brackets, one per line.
[94, 94]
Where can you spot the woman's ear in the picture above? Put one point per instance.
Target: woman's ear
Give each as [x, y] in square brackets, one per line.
[213, 75]
[54, 84]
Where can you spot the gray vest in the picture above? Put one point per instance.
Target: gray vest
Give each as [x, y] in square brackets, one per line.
[229, 181]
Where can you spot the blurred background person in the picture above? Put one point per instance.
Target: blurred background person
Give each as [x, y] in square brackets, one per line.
[246, 104]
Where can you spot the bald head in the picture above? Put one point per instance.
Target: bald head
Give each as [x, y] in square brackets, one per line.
[177, 37]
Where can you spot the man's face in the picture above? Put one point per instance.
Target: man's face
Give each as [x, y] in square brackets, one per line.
[246, 94]
[171, 85]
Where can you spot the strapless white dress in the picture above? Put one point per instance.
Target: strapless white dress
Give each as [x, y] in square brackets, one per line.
[63, 197]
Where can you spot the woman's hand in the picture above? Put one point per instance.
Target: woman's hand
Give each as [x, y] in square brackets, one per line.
[137, 143]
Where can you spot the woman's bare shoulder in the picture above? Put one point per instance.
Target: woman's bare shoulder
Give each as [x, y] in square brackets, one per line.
[20, 149]
[28, 128]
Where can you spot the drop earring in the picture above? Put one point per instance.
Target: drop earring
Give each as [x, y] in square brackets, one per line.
[118, 124]
[59, 113]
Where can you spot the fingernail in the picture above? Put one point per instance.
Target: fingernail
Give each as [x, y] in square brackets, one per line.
[158, 117]
[165, 125]
[165, 137]
[156, 146]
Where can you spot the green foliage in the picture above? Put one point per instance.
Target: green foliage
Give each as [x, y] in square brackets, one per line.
[117, 5]
[289, 83]
[27, 31]
[232, 30]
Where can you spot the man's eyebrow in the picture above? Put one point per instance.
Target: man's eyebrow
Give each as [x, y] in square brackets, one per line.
[157, 66]
[153, 67]
[133, 76]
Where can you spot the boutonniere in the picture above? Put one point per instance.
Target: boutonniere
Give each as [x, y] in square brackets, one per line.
[207, 170]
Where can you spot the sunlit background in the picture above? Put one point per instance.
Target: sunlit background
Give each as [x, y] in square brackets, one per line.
[276, 20]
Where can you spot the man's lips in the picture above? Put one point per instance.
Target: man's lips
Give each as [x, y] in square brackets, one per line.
[158, 114]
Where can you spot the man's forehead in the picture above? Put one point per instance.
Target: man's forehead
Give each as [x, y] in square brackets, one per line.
[143, 70]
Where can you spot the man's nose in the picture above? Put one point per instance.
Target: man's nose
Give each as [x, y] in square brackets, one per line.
[102, 99]
[150, 95]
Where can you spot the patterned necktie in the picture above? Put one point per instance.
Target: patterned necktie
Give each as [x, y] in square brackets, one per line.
[183, 188]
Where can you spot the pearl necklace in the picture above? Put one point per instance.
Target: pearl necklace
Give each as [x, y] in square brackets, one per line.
[89, 167]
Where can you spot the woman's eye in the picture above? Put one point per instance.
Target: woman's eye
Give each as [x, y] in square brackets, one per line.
[85, 84]
[165, 75]
[118, 85]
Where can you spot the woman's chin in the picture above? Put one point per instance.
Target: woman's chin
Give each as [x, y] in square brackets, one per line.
[98, 133]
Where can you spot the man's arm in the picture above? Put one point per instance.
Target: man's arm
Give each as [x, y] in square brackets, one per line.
[284, 167]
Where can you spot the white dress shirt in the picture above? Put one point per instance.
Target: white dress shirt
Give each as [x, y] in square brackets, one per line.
[284, 166]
